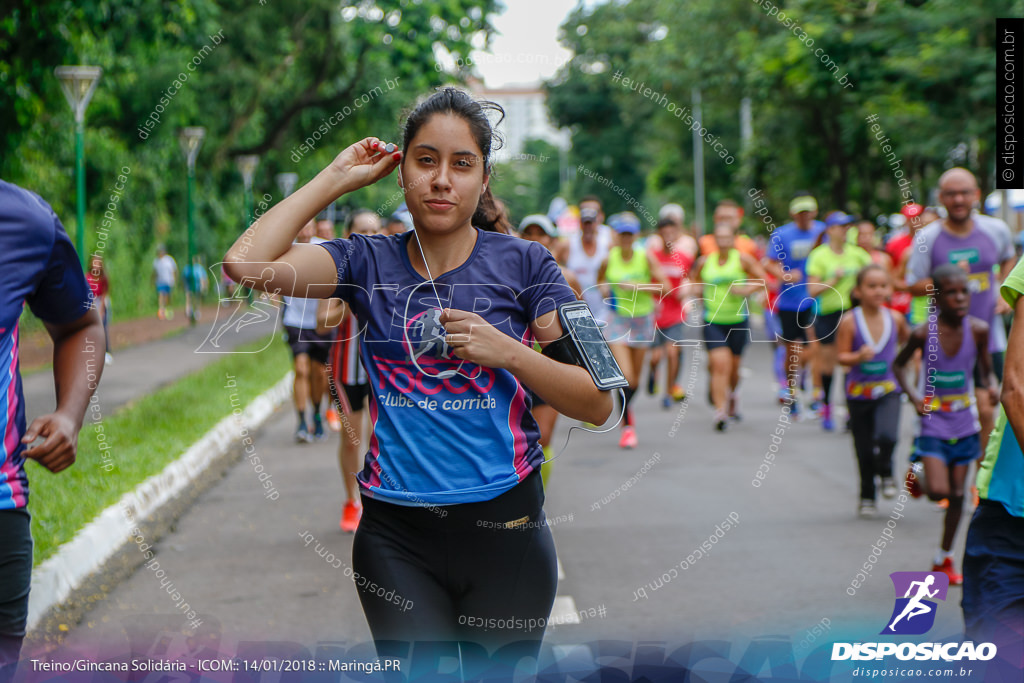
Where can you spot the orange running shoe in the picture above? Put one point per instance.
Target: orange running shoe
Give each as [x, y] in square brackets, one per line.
[947, 568]
[350, 516]
[333, 419]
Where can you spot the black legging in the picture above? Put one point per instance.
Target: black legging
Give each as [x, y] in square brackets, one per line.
[15, 575]
[458, 573]
[875, 426]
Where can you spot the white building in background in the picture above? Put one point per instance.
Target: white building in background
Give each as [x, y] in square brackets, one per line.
[526, 117]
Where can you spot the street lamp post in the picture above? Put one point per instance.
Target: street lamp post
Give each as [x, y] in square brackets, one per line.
[191, 140]
[286, 182]
[79, 84]
[247, 167]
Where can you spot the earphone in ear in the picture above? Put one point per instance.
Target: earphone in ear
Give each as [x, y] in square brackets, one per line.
[401, 183]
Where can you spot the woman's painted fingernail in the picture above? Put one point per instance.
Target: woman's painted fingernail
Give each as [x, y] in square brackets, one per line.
[396, 156]
[374, 145]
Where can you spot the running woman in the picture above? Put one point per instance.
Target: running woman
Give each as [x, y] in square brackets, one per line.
[897, 247]
[309, 357]
[728, 277]
[948, 440]
[670, 320]
[631, 276]
[866, 343]
[453, 524]
[788, 250]
[539, 228]
[349, 384]
[40, 268]
[831, 272]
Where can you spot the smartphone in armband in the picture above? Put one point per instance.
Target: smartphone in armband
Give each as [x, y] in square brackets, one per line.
[584, 344]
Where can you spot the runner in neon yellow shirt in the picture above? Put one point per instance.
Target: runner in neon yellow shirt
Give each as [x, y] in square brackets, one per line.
[831, 275]
[728, 277]
[632, 277]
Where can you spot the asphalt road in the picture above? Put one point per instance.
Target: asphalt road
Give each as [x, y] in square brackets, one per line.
[628, 525]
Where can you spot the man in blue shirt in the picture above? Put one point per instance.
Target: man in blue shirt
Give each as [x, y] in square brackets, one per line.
[39, 267]
[787, 257]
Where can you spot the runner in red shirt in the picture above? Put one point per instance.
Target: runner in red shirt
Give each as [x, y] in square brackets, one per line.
[670, 315]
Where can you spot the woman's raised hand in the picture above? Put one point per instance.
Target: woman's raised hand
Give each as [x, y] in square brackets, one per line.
[365, 162]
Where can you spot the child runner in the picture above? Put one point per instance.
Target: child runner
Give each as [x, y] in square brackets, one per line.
[948, 436]
[831, 271]
[726, 276]
[628, 274]
[866, 343]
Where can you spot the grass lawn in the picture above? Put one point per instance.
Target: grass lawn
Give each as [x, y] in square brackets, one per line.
[143, 438]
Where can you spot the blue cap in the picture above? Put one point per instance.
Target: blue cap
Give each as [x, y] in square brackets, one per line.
[625, 222]
[838, 218]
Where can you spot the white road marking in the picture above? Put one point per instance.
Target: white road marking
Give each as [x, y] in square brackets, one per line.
[564, 611]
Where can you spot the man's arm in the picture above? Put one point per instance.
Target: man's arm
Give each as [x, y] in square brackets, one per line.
[78, 349]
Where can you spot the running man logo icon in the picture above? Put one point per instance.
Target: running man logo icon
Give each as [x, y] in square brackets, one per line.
[914, 614]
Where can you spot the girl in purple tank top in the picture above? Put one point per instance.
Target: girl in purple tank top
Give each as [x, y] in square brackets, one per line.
[866, 344]
[951, 343]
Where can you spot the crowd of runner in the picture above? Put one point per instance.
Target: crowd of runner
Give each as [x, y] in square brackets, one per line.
[907, 315]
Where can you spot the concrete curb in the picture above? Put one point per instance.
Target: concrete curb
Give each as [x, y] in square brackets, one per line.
[58, 577]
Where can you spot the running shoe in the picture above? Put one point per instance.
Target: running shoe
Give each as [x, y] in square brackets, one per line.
[108, 359]
[889, 489]
[867, 508]
[666, 402]
[947, 568]
[817, 407]
[794, 411]
[826, 422]
[302, 435]
[333, 419]
[734, 408]
[652, 385]
[677, 393]
[628, 439]
[318, 429]
[721, 425]
[783, 395]
[350, 516]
